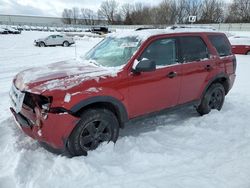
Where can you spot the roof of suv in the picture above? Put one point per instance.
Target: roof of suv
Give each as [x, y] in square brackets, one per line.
[144, 34]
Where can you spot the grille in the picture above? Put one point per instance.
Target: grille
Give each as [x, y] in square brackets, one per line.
[16, 98]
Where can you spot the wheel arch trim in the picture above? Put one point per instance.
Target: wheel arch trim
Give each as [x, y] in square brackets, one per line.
[123, 115]
[217, 77]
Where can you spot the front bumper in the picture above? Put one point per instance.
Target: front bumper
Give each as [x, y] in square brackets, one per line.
[53, 131]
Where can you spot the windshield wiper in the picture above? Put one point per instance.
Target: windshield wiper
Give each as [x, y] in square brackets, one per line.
[94, 62]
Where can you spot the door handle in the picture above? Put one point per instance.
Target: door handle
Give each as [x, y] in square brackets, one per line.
[208, 67]
[172, 74]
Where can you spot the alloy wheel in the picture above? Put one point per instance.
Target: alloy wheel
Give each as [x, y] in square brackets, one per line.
[95, 133]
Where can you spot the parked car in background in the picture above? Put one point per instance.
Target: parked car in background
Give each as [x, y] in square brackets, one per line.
[79, 29]
[72, 29]
[240, 44]
[54, 40]
[99, 30]
[19, 28]
[51, 29]
[39, 28]
[59, 29]
[12, 30]
[3, 31]
[26, 28]
[33, 28]
[66, 29]
[76, 105]
[45, 28]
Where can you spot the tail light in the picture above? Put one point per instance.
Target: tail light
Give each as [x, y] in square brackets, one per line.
[234, 64]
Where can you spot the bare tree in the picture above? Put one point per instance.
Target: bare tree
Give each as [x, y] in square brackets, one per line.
[67, 16]
[172, 11]
[87, 15]
[212, 11]
[181, 10]
[239, 11]
[167, 12]
[194, 8]
[141, 14]
[126, 9]
[75, 14]
[108, 10]
[162, 14]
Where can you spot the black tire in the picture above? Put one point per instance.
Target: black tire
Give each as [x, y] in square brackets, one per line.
[96, 126]
[213, 99]
[42, 44]
[65, 44]
[248, 53]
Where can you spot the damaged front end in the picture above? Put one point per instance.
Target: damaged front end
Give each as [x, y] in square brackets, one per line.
[36, 117]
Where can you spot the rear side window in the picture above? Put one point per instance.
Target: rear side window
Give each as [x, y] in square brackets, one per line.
[193, 48]
[221, 44]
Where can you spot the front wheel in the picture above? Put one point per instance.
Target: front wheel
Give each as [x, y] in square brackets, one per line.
[42, 44]
[248, 53]
[213, 99]
[96, 126]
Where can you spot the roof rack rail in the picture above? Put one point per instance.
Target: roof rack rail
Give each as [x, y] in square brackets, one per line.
[203, 27]
[144, 28]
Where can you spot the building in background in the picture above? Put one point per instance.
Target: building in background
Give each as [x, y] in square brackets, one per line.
[38, 21]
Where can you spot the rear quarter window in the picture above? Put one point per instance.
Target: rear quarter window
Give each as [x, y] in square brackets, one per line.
[221, 44]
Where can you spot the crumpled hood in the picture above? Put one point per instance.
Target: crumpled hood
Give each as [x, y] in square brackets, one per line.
[60, 76]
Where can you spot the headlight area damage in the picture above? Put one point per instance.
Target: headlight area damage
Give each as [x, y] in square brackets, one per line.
[50, 126]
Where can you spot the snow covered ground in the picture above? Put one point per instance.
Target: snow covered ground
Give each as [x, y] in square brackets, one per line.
[178, 149]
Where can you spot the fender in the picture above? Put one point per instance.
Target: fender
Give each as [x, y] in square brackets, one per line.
[218, 76]
[115, 102]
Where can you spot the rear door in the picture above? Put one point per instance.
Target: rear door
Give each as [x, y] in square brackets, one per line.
[197, 64]
[59, 39]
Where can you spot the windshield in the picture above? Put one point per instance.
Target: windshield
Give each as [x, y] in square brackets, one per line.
[113, 52]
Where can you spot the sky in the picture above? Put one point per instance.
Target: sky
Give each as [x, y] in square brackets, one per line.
[55, 7]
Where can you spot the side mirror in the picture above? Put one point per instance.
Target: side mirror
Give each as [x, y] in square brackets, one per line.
[145, 65]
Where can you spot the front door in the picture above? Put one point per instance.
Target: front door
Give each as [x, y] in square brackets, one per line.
[156, 90]
[51, 40]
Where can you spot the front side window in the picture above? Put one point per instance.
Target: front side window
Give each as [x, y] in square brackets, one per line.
[162, 52]
[193, 48]
[113, 52]
[52, 37]
[220, 43]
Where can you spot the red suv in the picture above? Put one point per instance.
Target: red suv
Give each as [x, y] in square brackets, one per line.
[73, 106]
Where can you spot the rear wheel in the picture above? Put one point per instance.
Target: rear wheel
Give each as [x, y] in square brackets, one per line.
[213, 99]
[65, 43]
[248, 53]
[96, 126]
